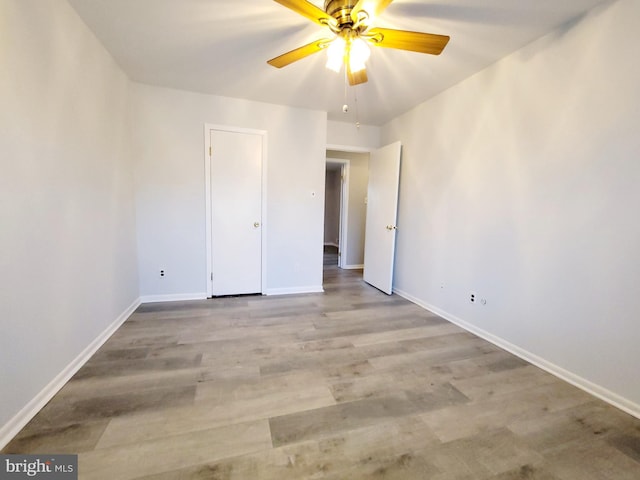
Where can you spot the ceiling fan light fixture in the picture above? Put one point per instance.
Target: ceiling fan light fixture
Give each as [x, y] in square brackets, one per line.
[359, 53]
[351, 23]
[335, 54]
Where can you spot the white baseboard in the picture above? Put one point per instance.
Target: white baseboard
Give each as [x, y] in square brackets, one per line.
[294, 290]
[24, 416]
[598, 391]
[353, 267]
[173, 298]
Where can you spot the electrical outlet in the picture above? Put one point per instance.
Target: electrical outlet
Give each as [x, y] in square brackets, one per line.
[161, 273]
[473, 297]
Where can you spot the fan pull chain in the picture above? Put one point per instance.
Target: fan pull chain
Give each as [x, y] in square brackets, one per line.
[355, 95]
[345, 106]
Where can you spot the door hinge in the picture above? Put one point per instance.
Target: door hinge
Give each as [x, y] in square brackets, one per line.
[212, 277]
[209, 151]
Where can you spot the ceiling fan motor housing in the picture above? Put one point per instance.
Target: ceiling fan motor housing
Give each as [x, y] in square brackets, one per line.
[341, 11]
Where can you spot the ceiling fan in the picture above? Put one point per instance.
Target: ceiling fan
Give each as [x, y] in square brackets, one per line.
[350, 22]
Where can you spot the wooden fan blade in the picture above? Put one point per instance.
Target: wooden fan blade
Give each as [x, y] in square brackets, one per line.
[412, 41]
[298, 54]
[356, 78]
[309, 10]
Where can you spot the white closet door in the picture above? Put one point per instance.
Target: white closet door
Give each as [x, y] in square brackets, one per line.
[236, 211]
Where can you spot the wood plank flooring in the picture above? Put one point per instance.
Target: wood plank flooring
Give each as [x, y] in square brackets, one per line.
[349, 384]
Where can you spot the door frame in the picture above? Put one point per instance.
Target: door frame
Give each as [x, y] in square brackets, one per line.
[207, 182]
[343, 229]
[348, 149]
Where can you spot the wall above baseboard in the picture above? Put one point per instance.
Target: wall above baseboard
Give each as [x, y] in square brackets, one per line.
[598, 391]
[24, 416]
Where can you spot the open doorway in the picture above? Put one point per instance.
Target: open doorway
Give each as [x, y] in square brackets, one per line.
[346, 181]
[336, 174]
[374, 222]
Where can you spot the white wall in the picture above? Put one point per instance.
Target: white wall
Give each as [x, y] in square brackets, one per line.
[348, 134]
[170, 189]
[357, 216]
[521, 184]
[67, 235]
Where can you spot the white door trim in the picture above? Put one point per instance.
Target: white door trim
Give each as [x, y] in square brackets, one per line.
[207, 179]
[349, 148]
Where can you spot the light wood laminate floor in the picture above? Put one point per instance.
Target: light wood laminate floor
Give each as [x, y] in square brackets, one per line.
[349, 384]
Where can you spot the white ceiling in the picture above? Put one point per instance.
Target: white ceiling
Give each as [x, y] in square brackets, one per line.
[221, 47]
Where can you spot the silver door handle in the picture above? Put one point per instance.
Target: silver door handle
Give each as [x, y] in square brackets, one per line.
[391, 227]
[256, 224]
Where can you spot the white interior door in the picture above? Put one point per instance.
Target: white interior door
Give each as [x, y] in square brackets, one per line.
[382, 212]
[236, 213]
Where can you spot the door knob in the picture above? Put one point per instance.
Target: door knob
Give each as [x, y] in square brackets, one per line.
[391, 227]
[256, 224]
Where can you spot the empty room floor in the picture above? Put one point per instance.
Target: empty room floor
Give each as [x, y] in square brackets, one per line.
[349, 384]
